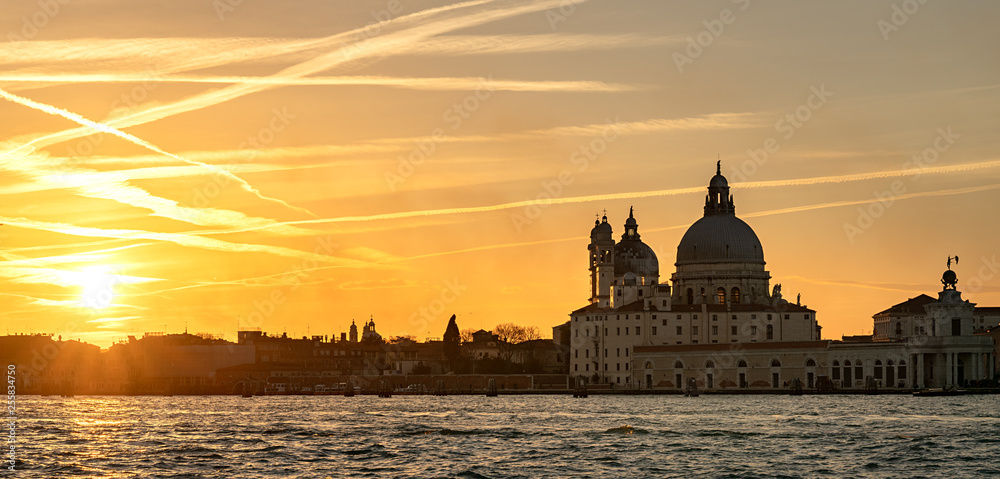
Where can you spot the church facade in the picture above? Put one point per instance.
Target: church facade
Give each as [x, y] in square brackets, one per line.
[720, 324]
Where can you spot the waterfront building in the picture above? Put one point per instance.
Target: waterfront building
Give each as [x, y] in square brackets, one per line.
[721, 323]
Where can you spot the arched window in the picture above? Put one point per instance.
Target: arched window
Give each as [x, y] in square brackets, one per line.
[735, 295]
[678, 365]
[770, 332]
[847, 363]
[741, 364]
[709, 364]
[902, 362]
[775, 363]
[878, 362]
[810, 363]
[889, 363]
[690, 296]
[648, 365]
[722, 295]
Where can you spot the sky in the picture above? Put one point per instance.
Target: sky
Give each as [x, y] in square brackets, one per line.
[295, 166]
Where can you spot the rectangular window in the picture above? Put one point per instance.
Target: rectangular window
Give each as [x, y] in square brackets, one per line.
[678, 316]
[637, 330]
[576, 367]
[576, 354]
[654, 316]
[605, 366]
[679, 330]
[618, 352]
[695, 317]
[807, 316]
[694, 330]
[586, 367]
[654, 330]
[626, 352]
[786, 316]
[768, 316]
[586, 353]
[753, 316]
[626, 330]
[664, 322]
[734, 316]
[753, 330]
[715, 317]
[715, 330]
[640, 293]
[605, 331]
[735, 331]
[618, 331]
[626, 368]
[664, 303]
[605, 353]
[618, 367]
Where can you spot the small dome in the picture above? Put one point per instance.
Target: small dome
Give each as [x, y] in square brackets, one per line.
[949, 277]
[601, 232]
[715, 239]
[718, 181]
[635, 257]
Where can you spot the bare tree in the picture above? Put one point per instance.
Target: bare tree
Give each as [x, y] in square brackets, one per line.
[509, 335]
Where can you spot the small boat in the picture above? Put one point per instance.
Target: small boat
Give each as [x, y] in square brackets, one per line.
[691, 390]
[939, 392]
[491, 388]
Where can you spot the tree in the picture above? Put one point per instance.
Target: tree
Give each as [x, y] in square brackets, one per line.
[452, 342]
[508, 334]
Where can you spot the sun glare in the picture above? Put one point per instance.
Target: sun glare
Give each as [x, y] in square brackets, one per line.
[98, 287]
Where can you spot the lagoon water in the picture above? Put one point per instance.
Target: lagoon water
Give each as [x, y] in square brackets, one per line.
[509, 436]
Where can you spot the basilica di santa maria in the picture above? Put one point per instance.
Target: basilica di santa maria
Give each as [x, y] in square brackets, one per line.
[719, 324]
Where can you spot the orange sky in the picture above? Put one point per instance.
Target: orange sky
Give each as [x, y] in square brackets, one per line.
[294, 165]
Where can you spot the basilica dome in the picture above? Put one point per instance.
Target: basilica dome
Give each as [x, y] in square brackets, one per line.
[719, 238]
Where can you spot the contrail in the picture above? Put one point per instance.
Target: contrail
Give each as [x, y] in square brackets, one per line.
[188, 240]
[646, 194]
[52, 110]
[422, 83]
[348, 49]
[796, 209]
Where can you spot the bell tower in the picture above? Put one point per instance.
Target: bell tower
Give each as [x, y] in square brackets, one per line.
[602, 263]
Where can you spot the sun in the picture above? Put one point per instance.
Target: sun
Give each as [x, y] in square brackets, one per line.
[98, 287]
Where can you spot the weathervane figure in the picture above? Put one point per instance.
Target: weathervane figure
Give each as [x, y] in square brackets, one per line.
[949, 260]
